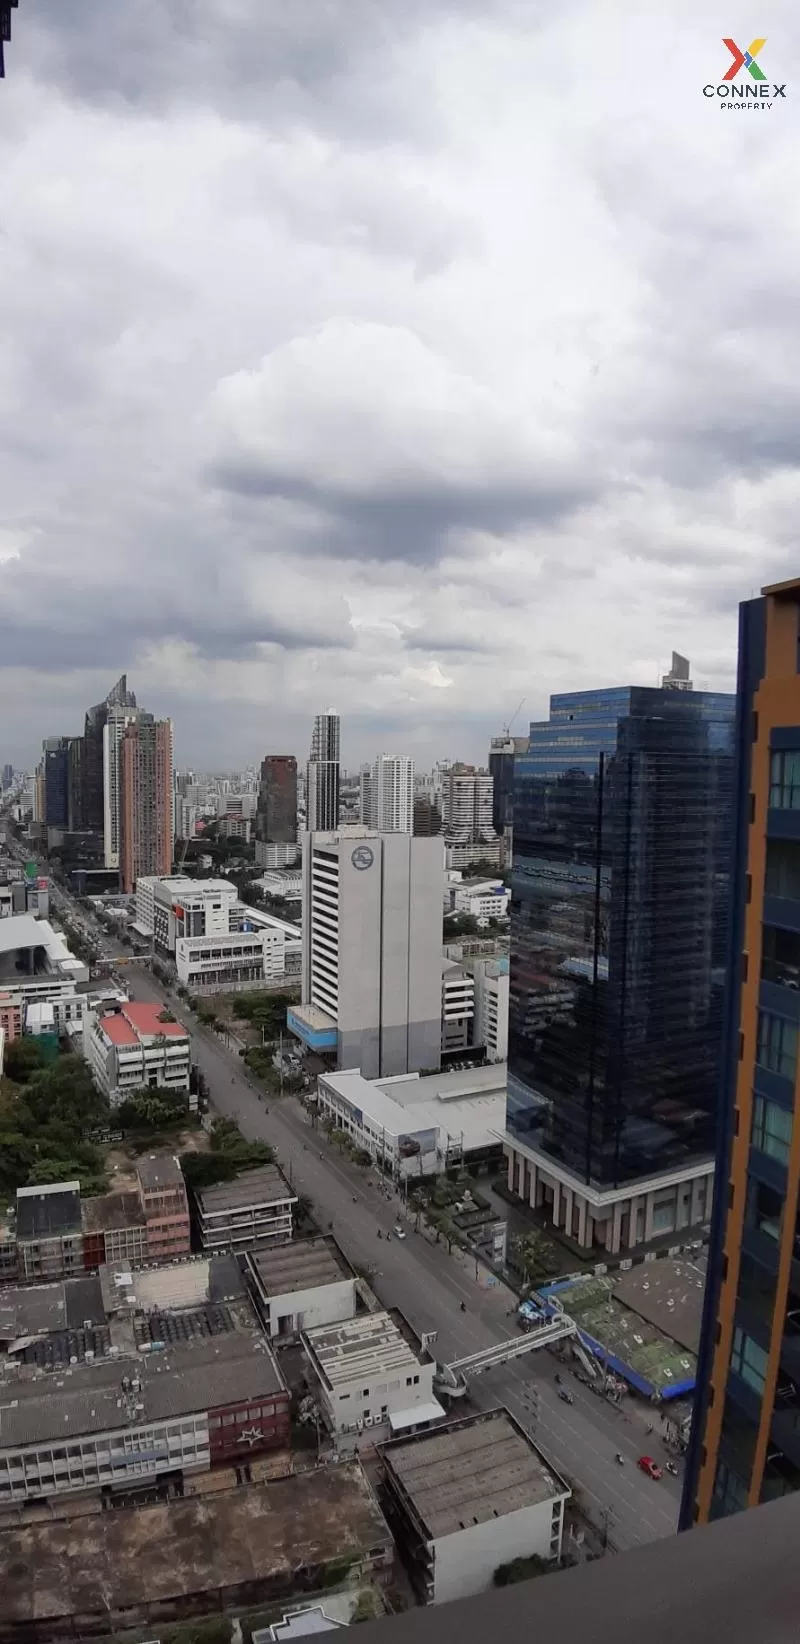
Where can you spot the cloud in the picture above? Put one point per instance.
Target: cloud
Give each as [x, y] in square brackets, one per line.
[426, 355]
[393, 444]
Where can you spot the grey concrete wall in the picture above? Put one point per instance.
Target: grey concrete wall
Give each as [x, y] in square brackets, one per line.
[360, 959]
[425, 954]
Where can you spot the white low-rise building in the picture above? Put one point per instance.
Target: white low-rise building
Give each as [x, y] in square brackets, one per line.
[415, 1125]
[300, 1285]
[370, 1374]
[287, 885]
[458, 1006]
[134, 1046]
[470, 1497]
[490, 1025]
[239, 960]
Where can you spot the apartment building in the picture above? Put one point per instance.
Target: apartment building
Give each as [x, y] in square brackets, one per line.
[322, 775]
[386, 800]
[166, 1208]
[468, 804]
[458, 1007]
[134, 1046]
[147, 792]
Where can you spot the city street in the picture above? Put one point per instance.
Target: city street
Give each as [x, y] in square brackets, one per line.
[428, 1286]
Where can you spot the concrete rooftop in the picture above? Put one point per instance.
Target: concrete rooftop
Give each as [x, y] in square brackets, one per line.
[470, 1471]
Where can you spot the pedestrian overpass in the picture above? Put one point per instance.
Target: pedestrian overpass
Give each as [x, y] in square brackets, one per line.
[451, 1379]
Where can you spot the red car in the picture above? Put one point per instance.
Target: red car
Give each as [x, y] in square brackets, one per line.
[650, 1467]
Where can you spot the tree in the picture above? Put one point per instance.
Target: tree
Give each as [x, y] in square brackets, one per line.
[153, 1109]
[23, 1058]
[521, 1569]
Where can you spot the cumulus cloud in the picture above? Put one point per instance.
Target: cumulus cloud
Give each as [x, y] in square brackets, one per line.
[420, 354]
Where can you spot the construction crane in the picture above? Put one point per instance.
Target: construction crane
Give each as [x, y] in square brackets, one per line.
[515, 715]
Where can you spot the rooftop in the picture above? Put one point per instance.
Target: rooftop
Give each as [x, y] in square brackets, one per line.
[357, 1347]
[159, 1172]
[49, 1211]
[37, 1310]
[644, 1355]
[471, 1471]
[469, 1104]
[302, 1265]
[93, 1565]
[669, 1294]
[20, 932]
[264, 1185]
[187, 888]
[109, 1211]
[88, 1398]
[138, 1020]
[178, 1285]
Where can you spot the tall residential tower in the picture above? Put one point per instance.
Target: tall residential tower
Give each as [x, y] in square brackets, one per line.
[322, 775]
[387, 794]
[147, 789]
[745, 1446]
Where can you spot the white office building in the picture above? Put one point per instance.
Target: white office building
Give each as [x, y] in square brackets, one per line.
[370, 1374]
[300, 1285]
[239, 960]
[387, 794]
[458, 1006]
[113, 731]
[490, 1024]
[169, 909]
[473, 1495]
[415, 1126]
[372, 950]
[481, 899]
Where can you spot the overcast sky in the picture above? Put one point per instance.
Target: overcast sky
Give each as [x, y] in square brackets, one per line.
[398, 356]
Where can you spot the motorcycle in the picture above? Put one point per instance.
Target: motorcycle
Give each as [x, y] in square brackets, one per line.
[671, 1468]
[619, 1459]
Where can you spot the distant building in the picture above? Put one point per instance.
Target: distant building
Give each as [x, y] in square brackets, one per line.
[276, 814]
[458, 1007]
[427, 817]
[134, 1046]
[372, 945]
[419, 1126]
[387, 794]
[169, 908]
[464, 854]
[222, 964]
[468, 803]
[146, 798]
[468, 1498]
[118, 716]
[490, 1027]
[481, 899]
[322, 775]
[256, 1207]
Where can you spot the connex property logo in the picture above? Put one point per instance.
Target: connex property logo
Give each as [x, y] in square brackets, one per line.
[757, 92]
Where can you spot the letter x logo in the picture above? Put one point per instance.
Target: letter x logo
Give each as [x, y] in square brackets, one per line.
[744, 59]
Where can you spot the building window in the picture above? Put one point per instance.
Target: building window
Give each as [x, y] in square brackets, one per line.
[730, 1492]
[772, 1129]
[764, 1209]
[784, 780]
[780, 957]
[748, 1360]
[777, 1045]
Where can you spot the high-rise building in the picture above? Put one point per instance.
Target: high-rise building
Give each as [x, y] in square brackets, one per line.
[146, 791]
[387, 794]
[372, 950]
[468, 804]
[8, 776]
[93, 805]
[118, 718]
[504, 750]
[622, 827]
[427, 817]
[55, 760]
[745, 1445]
[322, 775]
[276, 811]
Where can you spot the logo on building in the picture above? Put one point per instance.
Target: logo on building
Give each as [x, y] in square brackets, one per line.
[755, 92]
[744, 59]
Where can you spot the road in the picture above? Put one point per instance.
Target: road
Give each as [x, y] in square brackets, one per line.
[418, 1276]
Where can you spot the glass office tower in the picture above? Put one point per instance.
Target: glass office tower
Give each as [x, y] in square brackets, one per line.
[622, 823]
[745, 1445]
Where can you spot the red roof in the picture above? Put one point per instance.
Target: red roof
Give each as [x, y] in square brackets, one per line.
[138, 1020]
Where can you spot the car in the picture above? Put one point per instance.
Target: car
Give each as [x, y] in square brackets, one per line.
[566, 1396]
[650, 1467]
[399, 1232]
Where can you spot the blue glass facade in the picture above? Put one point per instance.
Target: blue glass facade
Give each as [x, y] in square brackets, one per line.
[622, 839]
